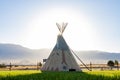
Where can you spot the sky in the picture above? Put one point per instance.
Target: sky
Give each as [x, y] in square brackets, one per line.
[92, 24]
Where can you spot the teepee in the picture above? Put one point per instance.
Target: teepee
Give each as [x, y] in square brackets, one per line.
[61, 57]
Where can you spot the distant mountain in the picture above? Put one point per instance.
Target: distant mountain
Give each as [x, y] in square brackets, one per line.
[21, 55]
[18, 54]
[98, 56]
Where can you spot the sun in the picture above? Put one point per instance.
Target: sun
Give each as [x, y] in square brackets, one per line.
[42, 30]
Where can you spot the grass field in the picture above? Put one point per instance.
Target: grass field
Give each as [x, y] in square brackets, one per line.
[39, 75]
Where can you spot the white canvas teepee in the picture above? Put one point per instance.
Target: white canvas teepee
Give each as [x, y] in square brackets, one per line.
[61, 57]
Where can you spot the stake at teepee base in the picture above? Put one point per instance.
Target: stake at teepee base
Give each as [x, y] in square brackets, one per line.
[61, 57]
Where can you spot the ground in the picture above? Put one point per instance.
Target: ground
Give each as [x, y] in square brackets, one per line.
[39, 75]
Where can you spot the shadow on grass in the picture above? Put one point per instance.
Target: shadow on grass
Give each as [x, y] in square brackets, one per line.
[60, 76]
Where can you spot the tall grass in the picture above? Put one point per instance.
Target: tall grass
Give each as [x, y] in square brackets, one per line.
[38, 75]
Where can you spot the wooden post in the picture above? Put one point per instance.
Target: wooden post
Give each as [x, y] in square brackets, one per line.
[118, 67]
[10, 66]
[37, 66]
[90, 66]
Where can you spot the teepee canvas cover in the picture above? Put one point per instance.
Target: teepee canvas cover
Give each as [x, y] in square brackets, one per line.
[61, 57]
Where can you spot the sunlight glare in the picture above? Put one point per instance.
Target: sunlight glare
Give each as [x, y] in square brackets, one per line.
[42, 29]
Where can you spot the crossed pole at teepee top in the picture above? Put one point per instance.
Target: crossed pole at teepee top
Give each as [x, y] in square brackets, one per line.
[61, 27]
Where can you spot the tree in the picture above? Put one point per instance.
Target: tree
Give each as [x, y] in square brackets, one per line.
[40, 64]
[111, 64]
[117, 64]
[2, 65]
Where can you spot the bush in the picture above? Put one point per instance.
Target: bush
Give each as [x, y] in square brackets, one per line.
[110, 64]
[2, 65]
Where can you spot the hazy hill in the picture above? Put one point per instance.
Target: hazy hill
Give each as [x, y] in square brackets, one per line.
[18, 54]
[98, 56]
[21, 55]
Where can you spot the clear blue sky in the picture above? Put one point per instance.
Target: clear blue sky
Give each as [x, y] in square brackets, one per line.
[104, 15]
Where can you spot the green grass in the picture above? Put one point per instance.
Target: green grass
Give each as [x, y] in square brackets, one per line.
[38, 75]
